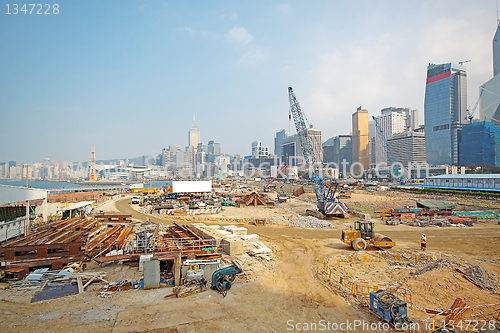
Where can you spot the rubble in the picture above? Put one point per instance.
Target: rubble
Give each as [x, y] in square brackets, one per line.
[310, 222]
[429, 266]
[480, 277]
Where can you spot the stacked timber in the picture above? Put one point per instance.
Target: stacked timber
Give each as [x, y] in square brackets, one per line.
[255, 199]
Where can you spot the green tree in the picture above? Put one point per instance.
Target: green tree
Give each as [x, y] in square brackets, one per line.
[495, 169]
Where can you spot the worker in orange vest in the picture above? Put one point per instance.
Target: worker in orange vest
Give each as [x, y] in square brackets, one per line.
[423, 242]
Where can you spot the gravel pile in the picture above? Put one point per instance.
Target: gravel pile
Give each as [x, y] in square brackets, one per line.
[309, 222]
[481, 277]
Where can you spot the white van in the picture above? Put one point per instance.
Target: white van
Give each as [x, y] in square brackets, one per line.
[136, 199]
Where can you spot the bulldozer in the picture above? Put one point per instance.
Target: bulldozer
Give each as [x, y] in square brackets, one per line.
[364, 233]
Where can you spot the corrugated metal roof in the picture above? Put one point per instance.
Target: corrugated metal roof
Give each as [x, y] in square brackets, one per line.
[437, 205]
[468, 176]
[481, 189]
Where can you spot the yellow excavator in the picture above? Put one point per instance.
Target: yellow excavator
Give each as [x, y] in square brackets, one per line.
[364, 233]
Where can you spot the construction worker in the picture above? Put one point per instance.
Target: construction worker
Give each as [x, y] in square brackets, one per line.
[423, 242]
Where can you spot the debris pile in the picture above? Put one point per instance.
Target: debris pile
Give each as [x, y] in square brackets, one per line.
[310, 222]
[432, 265]
[480, 277]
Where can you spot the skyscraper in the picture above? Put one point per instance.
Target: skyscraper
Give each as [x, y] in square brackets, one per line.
[213, 151]
[479, 144]
[360, 139]
[391, 121]
[338, 150]
[489, 92]
[278, 142]
[445, 110]
[496, 51]
[258, 150]
[372, 156]
[194, 136]
[291, 147]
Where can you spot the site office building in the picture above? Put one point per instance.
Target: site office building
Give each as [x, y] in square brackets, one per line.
[445, 111]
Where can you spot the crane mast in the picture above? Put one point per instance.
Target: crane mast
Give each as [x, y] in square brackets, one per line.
[92, 166]
[327, 204]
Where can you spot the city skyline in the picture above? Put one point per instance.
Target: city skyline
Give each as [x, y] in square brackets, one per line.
[119, 74]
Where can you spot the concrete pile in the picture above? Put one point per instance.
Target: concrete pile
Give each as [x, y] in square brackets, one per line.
[232, 239]
[309, 222]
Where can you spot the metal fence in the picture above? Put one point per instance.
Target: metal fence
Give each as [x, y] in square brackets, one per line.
[361, 288]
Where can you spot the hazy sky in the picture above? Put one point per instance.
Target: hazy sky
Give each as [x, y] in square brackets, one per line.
[127, 76]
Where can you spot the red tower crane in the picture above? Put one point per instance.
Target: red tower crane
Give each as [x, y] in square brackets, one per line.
[92, 165]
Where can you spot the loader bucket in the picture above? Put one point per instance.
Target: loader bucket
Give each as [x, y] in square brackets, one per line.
[383, 242]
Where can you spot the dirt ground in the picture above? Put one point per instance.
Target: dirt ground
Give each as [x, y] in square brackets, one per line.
[276, 295]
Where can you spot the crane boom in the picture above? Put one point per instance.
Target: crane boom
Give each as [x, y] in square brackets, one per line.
[470, 114]
[325, 196]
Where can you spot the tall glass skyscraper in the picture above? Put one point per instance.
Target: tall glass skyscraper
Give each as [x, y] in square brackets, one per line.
[445, 109]
[489, 92]
[496, 52]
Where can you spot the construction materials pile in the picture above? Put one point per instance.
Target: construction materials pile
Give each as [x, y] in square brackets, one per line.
[54, 244]
[424, 218]
[154, 238]
[309, 222]
[481, 278]
[173, 204]
[255, 199]
[103, 238]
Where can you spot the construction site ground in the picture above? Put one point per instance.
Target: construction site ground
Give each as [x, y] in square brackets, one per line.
[290, 289]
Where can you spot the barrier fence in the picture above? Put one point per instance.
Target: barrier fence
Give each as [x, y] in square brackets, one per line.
[361, 288]
[379, 256]
[464, 318]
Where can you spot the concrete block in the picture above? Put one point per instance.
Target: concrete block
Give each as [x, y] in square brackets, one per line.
[213, 227]
[250, 237]
[228, 227]
[261, 249]
[212, 235]
[239, 231]
[232, 246]
[223, 232]
[232, 237]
